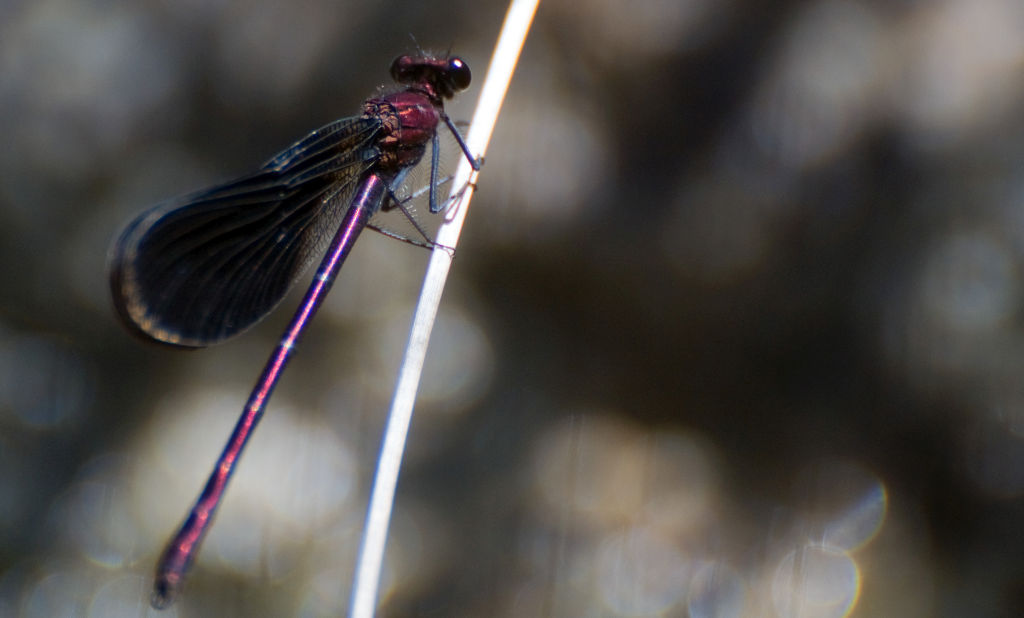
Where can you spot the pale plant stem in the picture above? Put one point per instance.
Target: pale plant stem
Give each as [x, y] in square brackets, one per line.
[371, 554]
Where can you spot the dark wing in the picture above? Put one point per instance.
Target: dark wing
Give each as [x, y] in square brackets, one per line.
[203, 268]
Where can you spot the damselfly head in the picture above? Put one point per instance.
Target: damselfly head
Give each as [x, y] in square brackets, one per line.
[440, 76]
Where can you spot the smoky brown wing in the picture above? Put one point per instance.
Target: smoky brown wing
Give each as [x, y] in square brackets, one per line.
[198, 270]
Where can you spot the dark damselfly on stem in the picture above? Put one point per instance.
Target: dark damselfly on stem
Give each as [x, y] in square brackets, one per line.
[202, 269]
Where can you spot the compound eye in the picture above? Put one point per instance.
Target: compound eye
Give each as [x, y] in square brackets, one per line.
[401, 67]
[458, 73]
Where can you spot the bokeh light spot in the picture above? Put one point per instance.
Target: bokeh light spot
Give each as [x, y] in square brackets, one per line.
[815, 581]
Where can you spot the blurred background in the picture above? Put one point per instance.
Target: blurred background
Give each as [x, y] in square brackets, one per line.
[735, 328]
